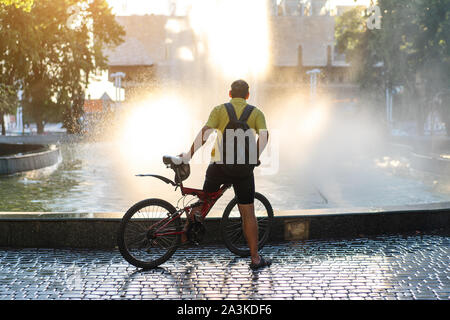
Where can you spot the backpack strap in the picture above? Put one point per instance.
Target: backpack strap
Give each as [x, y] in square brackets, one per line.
[231, 112]
[246, 113]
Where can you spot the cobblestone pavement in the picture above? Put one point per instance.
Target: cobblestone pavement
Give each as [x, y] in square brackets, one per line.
[385, 267]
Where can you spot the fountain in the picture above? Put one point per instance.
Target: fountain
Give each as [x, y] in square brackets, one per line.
[17, 158]
[329, 161]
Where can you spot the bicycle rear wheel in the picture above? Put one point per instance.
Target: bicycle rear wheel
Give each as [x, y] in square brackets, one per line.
[149, 233]
[231, 225]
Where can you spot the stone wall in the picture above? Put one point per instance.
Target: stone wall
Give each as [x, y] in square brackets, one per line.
[313, 34]
[31, 161]
[7, 149]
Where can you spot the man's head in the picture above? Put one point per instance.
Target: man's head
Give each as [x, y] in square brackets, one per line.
[239, 89]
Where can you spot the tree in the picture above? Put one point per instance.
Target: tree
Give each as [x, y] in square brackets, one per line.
[8, 103]
[359, 44]
[74, 34]
[432, 52]
[50, 51]
[411, 49]
[15, 53]
[20, 4]
[85, 55]
[349, 32]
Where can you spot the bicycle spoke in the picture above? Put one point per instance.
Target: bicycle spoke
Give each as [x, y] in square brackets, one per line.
[233, 225]
[235, 232]
[137, 240]
[136, 227]
[164, 241]
[262, 223]
[147, 233]
[238, 238]
[232, 232]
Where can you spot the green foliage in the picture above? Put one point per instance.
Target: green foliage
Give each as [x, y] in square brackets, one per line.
[8, 103]
[51, 51]
[349, 31]
[20, 4]
[8, 99]
[411, 49]
[360, 47]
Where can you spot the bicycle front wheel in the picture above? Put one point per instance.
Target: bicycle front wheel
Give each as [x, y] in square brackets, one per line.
[231, 225]
[149, 233]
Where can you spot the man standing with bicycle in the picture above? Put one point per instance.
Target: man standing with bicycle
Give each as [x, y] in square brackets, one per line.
[237, 156]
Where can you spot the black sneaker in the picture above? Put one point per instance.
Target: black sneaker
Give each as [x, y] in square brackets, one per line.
[262, 263]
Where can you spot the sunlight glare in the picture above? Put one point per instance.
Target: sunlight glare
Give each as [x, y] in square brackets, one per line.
[173, 26]
[313, 121]
[184, 53]
[156, 127]
[236, 34]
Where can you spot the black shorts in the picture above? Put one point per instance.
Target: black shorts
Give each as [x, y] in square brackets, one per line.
[244, 188]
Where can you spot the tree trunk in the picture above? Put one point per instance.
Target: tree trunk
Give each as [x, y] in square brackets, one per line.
[37, 116]
[2, 123]
[40, 127]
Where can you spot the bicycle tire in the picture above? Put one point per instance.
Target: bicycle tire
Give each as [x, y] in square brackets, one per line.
[231, 227]
[143, 224]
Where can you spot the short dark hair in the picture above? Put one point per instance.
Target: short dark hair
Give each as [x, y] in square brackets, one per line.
[239, 89]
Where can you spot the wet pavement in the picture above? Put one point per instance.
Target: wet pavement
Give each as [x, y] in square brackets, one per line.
[383, 267]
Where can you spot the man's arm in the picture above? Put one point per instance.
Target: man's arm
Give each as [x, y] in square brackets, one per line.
[199, 141]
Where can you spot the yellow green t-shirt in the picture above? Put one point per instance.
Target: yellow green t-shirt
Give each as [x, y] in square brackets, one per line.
[218, 119]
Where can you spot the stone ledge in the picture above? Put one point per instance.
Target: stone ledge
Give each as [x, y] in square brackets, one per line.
[51, 138]
[98, 230]
[31, 161]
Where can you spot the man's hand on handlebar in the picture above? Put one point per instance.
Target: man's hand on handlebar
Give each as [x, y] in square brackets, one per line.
[185, 156]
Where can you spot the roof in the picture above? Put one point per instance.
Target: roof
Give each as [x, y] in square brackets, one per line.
[130, 53]
[93, 106]
[105, 97]
[144, 43]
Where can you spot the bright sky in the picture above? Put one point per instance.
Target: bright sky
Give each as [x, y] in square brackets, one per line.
[100, 85]
[126, 7]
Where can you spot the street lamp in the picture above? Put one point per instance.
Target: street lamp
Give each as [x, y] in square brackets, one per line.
[19, 113]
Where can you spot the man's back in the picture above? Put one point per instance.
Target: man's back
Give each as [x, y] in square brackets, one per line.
[218, 119]
[244, 188]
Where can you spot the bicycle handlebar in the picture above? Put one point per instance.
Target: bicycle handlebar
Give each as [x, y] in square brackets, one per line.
[171, 160]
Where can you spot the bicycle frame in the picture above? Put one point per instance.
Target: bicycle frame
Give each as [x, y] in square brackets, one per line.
[208, 200]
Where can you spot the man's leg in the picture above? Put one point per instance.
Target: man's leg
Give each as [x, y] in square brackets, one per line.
[212, 184]
[245, 193]
[189, 219]
[250, 228]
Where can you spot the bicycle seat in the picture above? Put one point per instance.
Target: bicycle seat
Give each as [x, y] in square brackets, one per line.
[182, 170]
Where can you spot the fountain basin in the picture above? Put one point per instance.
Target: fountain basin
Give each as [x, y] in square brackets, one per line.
[99, 230]
[17, 158]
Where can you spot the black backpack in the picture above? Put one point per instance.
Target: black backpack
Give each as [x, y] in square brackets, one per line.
[240, 140]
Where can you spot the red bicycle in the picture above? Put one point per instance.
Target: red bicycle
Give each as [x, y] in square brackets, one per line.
[150, 231]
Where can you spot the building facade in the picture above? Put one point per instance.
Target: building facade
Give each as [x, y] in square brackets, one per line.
[301, 38]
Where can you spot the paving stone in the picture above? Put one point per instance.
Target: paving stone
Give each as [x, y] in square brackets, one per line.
[384, 267]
